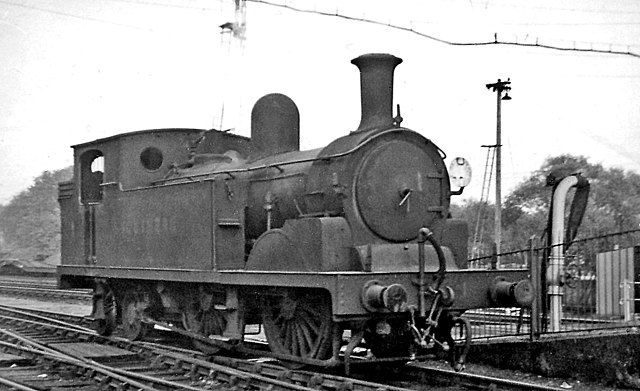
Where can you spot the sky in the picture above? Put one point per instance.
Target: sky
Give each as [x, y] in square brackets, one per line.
[79, 70]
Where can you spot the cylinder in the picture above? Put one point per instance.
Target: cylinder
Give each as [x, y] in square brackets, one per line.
[376, 89]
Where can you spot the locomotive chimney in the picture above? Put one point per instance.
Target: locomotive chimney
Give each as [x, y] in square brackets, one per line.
[376, 85]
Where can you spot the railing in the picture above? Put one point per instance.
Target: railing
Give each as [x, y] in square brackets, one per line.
[597, 282]
[629, 299]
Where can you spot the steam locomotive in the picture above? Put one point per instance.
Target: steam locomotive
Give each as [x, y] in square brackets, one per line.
[212, 231]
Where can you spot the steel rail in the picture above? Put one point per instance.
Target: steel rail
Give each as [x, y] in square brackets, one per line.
[16, 386]
[50, 320]
[251, 373]
[30, 346]
[40, 291]
[475, 381]
[44, 283]
[266, 376]
[125, 376]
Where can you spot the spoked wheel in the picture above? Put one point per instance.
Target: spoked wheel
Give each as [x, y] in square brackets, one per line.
[132, 314]
[103, 296]
[205, 323]
[299, 324]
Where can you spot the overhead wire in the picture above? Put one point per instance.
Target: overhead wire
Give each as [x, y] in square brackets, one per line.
[495, 41]
[573, 24]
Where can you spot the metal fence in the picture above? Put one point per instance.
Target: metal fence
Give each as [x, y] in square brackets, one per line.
[600, 285]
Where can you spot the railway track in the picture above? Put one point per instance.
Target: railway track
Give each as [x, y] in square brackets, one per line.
[417, 373]
[448, 377]
[49, 282]
[70, 354]
[44, 288]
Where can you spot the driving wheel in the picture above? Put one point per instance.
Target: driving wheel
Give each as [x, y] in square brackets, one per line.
[298, 324]
[205, 323]
[132, 314]
[104, 302]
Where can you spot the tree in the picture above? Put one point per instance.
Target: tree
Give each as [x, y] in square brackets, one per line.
[480, 219]
[30, 222]
[2, 245]
[613, 206]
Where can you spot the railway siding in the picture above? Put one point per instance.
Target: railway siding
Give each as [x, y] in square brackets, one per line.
[517, 355]
[70, 353]
[158, 361]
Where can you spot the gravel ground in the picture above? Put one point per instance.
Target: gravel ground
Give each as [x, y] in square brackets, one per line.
[567, 384]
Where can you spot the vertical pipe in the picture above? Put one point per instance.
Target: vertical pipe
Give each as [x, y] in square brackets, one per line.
[424, 235]
[556, 261]
[535, 268]
[422, 303]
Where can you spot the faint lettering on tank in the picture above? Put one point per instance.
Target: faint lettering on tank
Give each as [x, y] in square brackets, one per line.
[148, 226]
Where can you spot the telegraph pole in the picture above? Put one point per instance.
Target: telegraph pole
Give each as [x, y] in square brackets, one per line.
[499, 87]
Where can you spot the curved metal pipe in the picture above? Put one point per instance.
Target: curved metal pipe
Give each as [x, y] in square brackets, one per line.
[424, 235]
[556, 261]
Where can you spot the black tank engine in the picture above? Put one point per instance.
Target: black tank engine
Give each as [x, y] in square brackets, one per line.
[211, 231]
